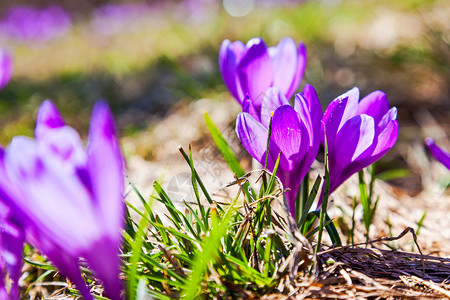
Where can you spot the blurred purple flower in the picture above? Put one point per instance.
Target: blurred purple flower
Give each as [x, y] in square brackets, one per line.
[71, 199]
[253, 68]
[296, 133]
[30, 24]
[358, 134]
[5, 68]
[440, 154]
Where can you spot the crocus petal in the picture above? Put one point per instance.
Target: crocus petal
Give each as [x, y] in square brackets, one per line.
[441, 155]
[273, 98]
[301, 65]
[68, 266]
[307, 105]
[248, 107]
[104, 260]
[5, 68]
[289, 134]
[375, 105]
[302, 108]
[390, 116]
[386, 139]
[253, 136]
[284, 59]
[338, 112]
[48, 118]
[228, 59]
[354, 139]
[313, 104]
[255, 70]
[63, 148]
[105, 157]
[12, 240]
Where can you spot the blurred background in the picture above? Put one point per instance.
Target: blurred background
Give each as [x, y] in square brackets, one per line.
[156, 64]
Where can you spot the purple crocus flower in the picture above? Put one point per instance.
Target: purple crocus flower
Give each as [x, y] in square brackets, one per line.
[5, 68]
[358, 134]
[251, 69]
[70, 198]
[296, 134]
[440, 154]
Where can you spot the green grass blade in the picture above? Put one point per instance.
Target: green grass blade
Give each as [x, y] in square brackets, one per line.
[164, 198]
[310, 201]
[269, 135]
[132, 278]
[210, 247]
[224, 148]
[393, 174]
[143, 201]
[302, 198]
[272, 178]
[326, 190]
[330, 228]
[197, 177]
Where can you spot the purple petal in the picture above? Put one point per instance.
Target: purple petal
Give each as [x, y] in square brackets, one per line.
[284, 58]
[441, 155]
[103, 257]
[48, 118]
[8, 191]
[338, 112]
[12, 240]
[67, 265]
[229, 55]
[255, 71]
[3, 292]
[355, 138]
[273, 98]
[391, 115]
[248, 107]
[301, 65]
[302, 108]
[315, 109]
[375, 105]
[6, 68]
[253, 137]
[307, 105]
[386, 139]
[105, 165]
[290, 135]
[63, 148]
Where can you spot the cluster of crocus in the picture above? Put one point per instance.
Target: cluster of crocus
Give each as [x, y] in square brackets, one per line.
[5, 68]
[67, 200]
[357, 132]
[26, 23]
[440, 154]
